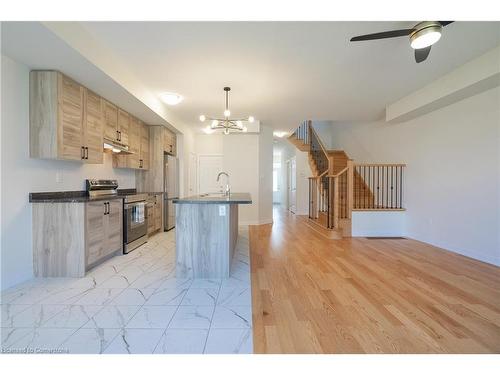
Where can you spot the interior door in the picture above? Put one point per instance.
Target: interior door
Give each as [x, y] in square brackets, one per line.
[71, 118]
[93, 127]
[209, 166]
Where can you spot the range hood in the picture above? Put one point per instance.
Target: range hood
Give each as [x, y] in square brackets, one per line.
[115, 147]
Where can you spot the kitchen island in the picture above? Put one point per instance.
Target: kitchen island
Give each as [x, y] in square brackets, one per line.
[206, 233]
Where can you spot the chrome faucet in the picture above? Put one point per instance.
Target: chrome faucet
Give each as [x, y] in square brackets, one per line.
[227, 192]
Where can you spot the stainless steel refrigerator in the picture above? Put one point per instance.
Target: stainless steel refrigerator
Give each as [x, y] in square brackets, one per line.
[170, 189]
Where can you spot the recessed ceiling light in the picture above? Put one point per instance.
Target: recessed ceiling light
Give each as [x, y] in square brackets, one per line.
[171, 98]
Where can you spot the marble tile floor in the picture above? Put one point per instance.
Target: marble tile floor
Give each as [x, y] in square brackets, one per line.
[133, 304]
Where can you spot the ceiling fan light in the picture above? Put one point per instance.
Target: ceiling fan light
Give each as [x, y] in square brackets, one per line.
[227, 113]
[251, 119]
[425, 37]
[239, 123]
[244, 129]
[226, 131]
[202, 118]
[214, 123]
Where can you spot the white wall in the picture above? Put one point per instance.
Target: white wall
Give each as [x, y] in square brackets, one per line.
[378, 223]
[248, 160]
[265, 175]
[22, 175]
[452, 175]
[323, 129]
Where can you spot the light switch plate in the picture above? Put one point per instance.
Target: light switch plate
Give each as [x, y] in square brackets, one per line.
[222, 210]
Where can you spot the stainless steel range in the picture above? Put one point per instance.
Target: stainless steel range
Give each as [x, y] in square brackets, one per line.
[135, 226]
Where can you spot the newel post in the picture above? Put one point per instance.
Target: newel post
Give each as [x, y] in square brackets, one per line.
[350, 187]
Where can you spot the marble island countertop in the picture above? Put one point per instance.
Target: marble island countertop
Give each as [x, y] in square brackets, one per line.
[217, 198]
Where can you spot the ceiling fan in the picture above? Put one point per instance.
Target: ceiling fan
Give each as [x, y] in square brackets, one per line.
[422, 36]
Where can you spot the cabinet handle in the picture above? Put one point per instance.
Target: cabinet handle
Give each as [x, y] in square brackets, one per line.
[119, 135]
[140, 163]
[105, 208]
[82, 152]
[86, 153]
[108, 208]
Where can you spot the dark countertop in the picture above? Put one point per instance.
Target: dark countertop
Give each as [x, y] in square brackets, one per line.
[79, 196]
[234, 198]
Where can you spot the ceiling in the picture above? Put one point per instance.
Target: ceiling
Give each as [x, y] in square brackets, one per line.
[285, 72]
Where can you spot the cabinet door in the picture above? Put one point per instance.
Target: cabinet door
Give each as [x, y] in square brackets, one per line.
[145, 146]
[110, 121]
[123, 126]
[134, 143]
[158, 212]
[70, 139]
[95, 242]
[93, 128]
[151, 220]
[114, 226]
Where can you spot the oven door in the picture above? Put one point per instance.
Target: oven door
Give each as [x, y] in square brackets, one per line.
[135, 218]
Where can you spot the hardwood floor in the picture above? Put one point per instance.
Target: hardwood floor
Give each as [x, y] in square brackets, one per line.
[314, 295]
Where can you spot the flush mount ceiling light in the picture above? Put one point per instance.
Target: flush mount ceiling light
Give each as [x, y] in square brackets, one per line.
[171, 98]
[226, 124]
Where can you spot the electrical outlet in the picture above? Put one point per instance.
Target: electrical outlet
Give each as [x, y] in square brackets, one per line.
[222, 210]
[59, 177]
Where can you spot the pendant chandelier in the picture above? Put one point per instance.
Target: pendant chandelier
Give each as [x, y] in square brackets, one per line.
[226, 123]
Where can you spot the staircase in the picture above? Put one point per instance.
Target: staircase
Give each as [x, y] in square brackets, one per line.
[339, 186]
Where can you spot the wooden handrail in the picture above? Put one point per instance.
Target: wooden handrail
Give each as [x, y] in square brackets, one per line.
[379, 165]
[320, 143]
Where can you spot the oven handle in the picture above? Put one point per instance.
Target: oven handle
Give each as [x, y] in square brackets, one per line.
[129, 205]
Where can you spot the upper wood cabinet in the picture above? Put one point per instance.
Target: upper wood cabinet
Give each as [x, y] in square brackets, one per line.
[110, 121]
[123, 127]
[169, 142]
[65, 119]
[93, 129]
[144, 146]
[138, 146]
[116, 124]
[58, 128]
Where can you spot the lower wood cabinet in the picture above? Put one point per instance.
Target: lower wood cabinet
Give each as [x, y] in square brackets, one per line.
[155, 213]
[71, 237]
[103, 230]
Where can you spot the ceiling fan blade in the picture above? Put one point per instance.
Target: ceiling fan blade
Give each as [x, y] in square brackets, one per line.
[444, 23]
[382, 35]
[421, 54]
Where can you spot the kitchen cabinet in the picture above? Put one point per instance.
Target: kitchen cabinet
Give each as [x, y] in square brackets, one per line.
[170, 142]
[93, 129]
[144, 161]
[110, 121]
[103, 230]
[69, 238]
[138, 146]
[65, 119]
[155, 213]
[123, 127]
[116, 124]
